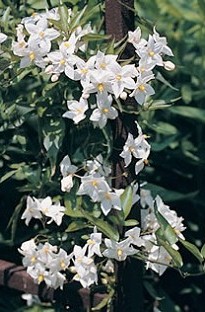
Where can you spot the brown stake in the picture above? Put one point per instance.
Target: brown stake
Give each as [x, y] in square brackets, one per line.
[119, 18]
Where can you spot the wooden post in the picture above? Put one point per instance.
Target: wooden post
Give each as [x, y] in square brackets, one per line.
[129, 291]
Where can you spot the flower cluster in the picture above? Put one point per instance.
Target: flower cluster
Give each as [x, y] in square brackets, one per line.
[158, 256]
[103, 77]
[43, 208]
[103, 80]
[45, 262]
[138, 148]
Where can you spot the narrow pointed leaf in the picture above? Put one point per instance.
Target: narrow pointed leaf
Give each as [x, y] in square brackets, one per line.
[193, 249]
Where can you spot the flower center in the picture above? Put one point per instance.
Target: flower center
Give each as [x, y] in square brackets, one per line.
[119, 253]
[105, 110]
[62, 62]
[40, 278]
[151, 53]
[103, 65]
[141, 87]
[32, 56]
[101, 87]
[41, 34]
[84, 71]
[118, 77]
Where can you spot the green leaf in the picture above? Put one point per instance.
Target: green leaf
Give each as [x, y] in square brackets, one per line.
[193, 249]
[165, 231]
[126, 200]
[189, 112]
[7, 175]
[102, 225]
[131, 222]
[203, 251]
[63, 12]
[76, 226]
[176, 257]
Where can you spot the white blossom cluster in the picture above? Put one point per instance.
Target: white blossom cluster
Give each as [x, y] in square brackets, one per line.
[45, 262]
[94, 183]
[43, 208]
[157, 255]
[100, 75]
[104, 80]
[138, 148]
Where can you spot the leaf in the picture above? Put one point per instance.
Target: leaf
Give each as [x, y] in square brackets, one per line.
[189, 112]
[102, 225]
[168, 195]
[203, 251]
[63, 12]
[193, 249]
[164, 81]
[7, 175]
[167, 231]
[176, 257]
[104, 302]
[76, 226]
[126, 200]
[131, 222]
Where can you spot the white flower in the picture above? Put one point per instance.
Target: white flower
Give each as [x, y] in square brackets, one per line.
[104, 111]
[98, 166]
[134, 37]
[31, 299]
[32, 53]
[91, 185]
[32, 210]
[100, 82]
[118, 251]
[104, 62]
[129, 150]
[134, 236]
[142, 89]
[122, 77]
[3, 37]
[41, 34]
[93, 244]
[86, 271]
[109, 200]
[67, 171]
[76, 110]
[161, 42]
[157, 254]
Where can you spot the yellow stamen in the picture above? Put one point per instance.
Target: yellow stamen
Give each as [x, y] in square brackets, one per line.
[90, 242]
[67, 44]
[151, 53]
[62, 265]
[40, 278]
[32, 56]
[118, 77]
[62, 62]
[101, 87]
[84, 71]
[102, 65]
[119, 252]
[33, 259]
[22, 44]
[41, 34]
[105, 110]
[141, 87]
[94, 183]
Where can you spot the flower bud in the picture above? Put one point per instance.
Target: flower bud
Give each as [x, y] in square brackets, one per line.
[54, 78]
[123, 95]
[168, 65]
